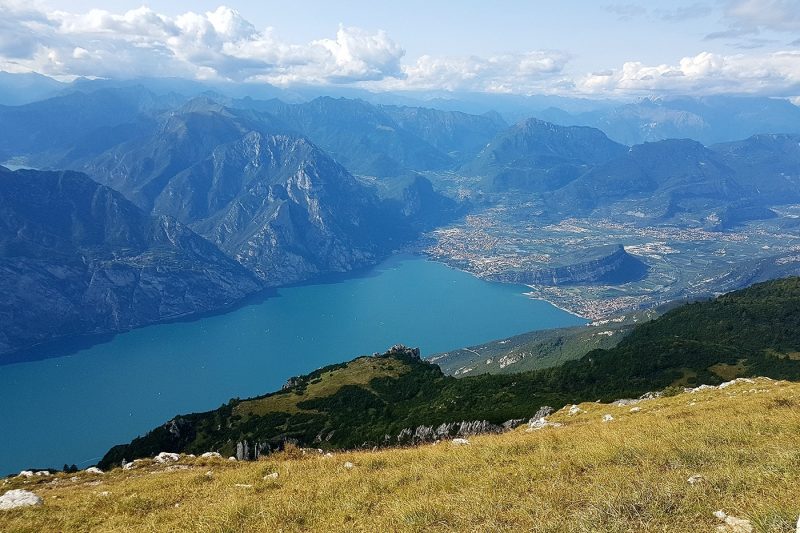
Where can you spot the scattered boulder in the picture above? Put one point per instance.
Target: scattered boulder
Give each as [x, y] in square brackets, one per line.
[133, 464]
[104, 493]
[208, 455]
[650, 395]
[348, 465]
[624, 402]
[231, 458]
[243, 485]
[459, 442]
[19, 498]
[273, 475]
[541, 423]
[700, 388]
[42, 473]
[166, 457]
[635, 409]
[732, 524]
[608, 418]
[544, 411]
[695, 479]
[574, 410]
[93, 470]
[25, 473]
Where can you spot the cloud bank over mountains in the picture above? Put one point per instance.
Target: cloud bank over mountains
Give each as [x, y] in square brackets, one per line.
[223, 45]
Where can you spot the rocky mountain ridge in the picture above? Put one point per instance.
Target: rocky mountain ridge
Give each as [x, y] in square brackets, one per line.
[78, 258]
[603, 264]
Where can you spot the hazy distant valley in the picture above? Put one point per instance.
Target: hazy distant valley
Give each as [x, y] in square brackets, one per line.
[294, 191]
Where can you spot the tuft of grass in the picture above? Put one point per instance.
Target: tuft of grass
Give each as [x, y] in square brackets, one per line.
[627, 475]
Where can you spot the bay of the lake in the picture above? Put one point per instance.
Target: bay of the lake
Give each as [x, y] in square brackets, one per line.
[71, 409]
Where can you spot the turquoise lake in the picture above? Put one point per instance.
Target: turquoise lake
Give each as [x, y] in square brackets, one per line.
[71, 409]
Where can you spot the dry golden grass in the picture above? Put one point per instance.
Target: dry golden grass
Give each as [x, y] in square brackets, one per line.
[587, 476]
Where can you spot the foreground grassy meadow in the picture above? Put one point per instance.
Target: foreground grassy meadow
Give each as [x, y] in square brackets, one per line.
[629, 474]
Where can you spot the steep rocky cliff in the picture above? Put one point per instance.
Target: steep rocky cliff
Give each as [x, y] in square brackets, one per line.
[271, 200]
[602, 264]
[78, 258]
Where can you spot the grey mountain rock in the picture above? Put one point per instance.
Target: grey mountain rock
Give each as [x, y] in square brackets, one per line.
[78, 258]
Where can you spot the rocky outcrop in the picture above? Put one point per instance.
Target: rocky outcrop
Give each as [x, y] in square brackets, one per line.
[609, 264]
[19, 498]
[422, 434]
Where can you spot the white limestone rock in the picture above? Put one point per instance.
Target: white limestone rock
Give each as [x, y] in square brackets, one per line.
[608, 418]
[624, 402]
[93, 470]
[734, 382]
[459, 442]
[700, 388]
[541, 423]
[208, 455]
[348, 465]
[732, 524]
[166, 457]
[19, 498]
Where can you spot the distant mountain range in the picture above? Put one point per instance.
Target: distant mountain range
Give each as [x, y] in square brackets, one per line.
[290, 191]
[709, 120]
[539, 156]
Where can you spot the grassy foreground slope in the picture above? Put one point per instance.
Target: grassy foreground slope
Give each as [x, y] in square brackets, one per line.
[384, 400]
[627, 475]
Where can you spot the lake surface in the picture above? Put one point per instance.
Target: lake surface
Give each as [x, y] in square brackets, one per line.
[71, 409]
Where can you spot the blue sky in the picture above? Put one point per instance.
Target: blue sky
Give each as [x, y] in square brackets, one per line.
[566, 47]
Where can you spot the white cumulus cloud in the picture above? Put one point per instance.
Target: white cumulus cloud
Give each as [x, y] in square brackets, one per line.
[706, 73]
[216, 44]
[525, 72]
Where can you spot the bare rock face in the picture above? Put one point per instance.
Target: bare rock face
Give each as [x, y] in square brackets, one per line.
[19, 498]
[268, 198]
[610, 263]
[82, 259]
[78, 258]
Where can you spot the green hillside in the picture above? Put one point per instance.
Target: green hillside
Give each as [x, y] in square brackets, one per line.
[383, 400]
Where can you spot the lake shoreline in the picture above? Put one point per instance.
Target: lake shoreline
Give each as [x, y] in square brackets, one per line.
[70, 345]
